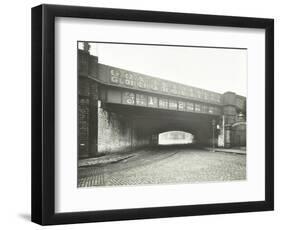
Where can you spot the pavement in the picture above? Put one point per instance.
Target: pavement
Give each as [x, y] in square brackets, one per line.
[230, 150]
[107, 159]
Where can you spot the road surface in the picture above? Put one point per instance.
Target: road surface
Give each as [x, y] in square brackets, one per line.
[166, 165]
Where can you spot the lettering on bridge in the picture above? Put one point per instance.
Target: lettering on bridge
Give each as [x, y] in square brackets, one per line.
[133, 80]
[146, 100]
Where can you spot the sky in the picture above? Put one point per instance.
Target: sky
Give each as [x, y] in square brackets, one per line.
[213, 69]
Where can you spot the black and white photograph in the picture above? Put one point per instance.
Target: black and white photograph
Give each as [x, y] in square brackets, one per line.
[141, 114]
[152, 114]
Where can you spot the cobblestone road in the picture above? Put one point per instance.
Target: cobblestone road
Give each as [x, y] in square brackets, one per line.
[166, 165]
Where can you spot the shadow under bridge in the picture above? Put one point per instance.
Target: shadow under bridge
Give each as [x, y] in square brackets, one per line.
[147, 123]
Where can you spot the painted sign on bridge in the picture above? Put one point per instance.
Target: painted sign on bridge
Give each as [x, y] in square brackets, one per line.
[132, 80]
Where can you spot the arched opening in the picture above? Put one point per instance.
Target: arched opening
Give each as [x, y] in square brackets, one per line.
[175, 138]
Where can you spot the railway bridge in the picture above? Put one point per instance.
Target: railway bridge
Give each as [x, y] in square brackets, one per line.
[121, 110]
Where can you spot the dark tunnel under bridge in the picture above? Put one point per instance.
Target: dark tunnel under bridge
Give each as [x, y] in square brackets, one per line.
[123, 128]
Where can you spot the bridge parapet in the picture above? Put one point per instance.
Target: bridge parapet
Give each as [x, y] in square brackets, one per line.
[113, 76]
[135, 81]
[142, 99]
[125, 79]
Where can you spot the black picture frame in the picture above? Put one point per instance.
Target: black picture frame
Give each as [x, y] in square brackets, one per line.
[43, 114]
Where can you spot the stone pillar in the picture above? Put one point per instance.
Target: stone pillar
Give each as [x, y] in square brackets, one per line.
[229, 114]
[93, 119]
[83, 104]
[87, 104]
[227, 139]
